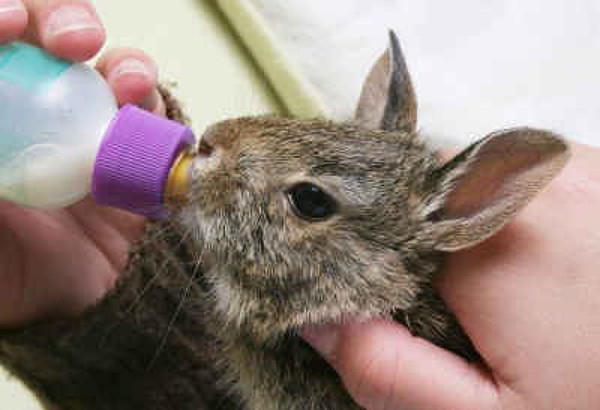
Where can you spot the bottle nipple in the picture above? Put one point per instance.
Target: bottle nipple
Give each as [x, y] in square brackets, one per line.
[144, 163]
[179, 179]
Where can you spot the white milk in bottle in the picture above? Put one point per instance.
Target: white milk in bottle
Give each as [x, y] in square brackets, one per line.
[55, 118]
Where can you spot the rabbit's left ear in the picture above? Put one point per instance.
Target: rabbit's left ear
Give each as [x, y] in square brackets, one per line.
[475, 194]
[387, 101]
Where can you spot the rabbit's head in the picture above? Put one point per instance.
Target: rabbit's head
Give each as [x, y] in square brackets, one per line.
[301, 222]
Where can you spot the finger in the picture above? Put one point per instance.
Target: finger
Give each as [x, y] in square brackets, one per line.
[70, 29]
[13, 20]
[384, 367]
[133, 75]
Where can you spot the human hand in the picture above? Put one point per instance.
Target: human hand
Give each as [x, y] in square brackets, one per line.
[527, 298]
[55, 263]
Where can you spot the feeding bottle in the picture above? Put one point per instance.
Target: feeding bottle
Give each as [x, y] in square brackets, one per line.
[62, 136]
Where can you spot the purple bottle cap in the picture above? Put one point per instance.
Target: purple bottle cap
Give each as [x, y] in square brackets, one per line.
[134, 161]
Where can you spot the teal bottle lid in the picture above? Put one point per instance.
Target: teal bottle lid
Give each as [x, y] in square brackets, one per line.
[28, 66]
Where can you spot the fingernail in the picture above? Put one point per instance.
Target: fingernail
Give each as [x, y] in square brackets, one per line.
[70, 18]
[130, 66]
[323, 338]
[10, 6]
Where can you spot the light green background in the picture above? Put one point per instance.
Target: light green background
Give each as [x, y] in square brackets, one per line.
[194, 47]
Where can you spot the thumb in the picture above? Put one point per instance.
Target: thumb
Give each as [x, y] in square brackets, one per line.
[384, 367]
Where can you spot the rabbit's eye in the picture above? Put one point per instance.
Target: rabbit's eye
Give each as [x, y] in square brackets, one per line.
[311, 202]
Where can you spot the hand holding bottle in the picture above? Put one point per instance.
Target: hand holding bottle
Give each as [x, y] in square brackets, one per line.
[58, 262]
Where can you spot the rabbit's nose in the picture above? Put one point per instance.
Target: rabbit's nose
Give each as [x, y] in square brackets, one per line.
[217, 137]
[204, 148]
[207, 143]
[209, 139]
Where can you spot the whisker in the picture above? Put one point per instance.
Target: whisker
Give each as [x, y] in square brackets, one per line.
[161, 269]
[151, 235]
[184, 296]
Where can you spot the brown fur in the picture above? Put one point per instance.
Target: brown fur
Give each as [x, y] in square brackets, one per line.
[208, 314]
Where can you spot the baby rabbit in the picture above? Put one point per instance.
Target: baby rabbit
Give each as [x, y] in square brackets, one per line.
[289, 223]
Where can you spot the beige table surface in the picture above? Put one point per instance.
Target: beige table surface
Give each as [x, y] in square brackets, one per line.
[194, 46]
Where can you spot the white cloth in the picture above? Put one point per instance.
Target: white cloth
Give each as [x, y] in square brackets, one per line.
[477, 65]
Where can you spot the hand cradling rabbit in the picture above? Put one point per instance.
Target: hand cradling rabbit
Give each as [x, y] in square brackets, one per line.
[289, 223]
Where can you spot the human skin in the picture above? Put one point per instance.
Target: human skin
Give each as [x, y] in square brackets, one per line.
[528, 299]
[55, 263]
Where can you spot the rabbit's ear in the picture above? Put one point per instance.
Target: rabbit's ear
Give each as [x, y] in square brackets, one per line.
[387, 100]
[480, 190]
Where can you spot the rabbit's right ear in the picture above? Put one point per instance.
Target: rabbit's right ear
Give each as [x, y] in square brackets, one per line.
[387, 101]
[475, 194]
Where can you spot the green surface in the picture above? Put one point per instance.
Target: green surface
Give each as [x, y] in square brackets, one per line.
[295, 91]
[195, 47]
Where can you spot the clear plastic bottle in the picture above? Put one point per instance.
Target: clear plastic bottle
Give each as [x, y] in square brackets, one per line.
[62, 136]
